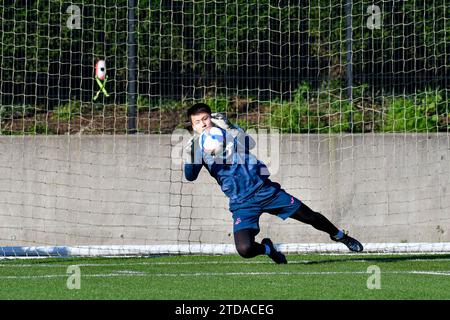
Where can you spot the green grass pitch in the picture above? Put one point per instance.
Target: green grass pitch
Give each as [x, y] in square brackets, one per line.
[316, 276]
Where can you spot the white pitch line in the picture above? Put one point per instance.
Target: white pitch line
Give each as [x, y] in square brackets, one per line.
[131, 272]
[148, 264]
[157, 263]
[47, 276]
[127, 273]
[435, 273]
[443, 273]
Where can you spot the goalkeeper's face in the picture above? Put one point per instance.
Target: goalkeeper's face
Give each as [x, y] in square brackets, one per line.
[201, 122]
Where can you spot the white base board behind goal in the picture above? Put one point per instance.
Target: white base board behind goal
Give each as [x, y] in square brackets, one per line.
[218, 249]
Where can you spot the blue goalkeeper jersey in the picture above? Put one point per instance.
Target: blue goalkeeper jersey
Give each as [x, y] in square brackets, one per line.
[238, 172]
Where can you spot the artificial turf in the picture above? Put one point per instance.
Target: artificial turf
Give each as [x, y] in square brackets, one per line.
[320, 277]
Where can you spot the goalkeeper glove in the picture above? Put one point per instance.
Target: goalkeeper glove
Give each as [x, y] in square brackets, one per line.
[221, 121]
[191, 151]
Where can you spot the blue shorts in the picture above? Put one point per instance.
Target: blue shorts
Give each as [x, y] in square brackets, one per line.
[269, 198]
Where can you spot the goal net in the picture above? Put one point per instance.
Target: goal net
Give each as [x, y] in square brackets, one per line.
[348, 102]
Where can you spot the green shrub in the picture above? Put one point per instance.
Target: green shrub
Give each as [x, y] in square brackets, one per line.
[68, 111]
[218, 103]
[311, 112]
[9, 112]
[37, 128]
[419, 113]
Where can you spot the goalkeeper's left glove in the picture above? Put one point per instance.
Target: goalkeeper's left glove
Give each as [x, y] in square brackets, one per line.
[220, 120]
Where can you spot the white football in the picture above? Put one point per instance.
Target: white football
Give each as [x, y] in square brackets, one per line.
[211, 141]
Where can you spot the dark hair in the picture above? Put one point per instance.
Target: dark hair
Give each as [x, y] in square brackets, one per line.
[198, 108]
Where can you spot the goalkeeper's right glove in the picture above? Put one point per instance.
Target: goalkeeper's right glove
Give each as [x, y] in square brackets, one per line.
[191, 151]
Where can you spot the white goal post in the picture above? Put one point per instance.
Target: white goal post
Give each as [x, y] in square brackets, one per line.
[215, 249]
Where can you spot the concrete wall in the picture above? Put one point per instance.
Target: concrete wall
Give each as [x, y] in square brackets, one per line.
[80, 190]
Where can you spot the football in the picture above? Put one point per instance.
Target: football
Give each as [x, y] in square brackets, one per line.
[211, 141]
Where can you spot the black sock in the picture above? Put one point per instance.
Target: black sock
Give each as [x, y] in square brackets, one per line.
[317, 220]
[246, 245]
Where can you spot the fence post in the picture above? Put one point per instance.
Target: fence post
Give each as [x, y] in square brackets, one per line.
[132, 69]
[349, 57]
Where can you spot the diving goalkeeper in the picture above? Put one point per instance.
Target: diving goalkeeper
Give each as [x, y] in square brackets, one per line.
[245, 181]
